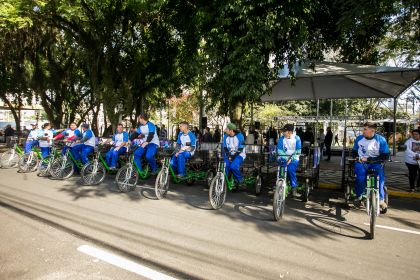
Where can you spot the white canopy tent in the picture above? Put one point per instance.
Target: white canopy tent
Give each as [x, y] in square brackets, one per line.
[328, 80]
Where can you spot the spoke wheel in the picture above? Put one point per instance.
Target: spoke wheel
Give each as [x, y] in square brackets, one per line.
[9, 159]
[62, 168]
[258, 185]
[93, 173]
[279, 201]
[162, 183]
[373, 209]
[209, 177]
[217, 191]
[126, 178]
[306, 191]
[45, 166]
[28, 163]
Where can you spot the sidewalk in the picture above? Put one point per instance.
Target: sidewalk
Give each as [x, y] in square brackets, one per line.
[396, 174]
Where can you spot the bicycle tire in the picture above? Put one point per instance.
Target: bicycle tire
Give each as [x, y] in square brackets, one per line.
[307, 190]
[279, 201]
[162, 184]
[89, 177]
[258, 185]
[126, 178]
[217, 191]
[28, 163]
[9, 160]
[44, 166]
[62, 168]
[373, 212]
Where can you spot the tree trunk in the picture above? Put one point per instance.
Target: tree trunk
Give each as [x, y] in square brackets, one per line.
[15, 111]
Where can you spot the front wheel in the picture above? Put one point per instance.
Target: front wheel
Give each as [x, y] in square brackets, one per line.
[373, 213]
[279, 200]
[9, 159]
[306, 191]
[28, 163]
[258, 185]
[62, 168]
[93, 173]
[126, 178]
[162, 183]
[45, 166]
[217, 191]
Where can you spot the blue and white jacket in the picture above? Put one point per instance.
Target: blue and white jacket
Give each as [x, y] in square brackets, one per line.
[149, 132]
[375, 148]
[88, 138]
[187, 142]
[234, 145]
[119, 138]
[287, 147]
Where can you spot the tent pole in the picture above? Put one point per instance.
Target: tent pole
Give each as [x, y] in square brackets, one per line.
[316, 123]
[394, 146]
[331, 112]
[343, 155]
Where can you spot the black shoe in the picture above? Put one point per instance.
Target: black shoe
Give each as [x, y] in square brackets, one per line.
[357, 202]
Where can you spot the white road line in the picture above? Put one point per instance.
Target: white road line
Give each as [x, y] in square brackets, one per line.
[396, 229]
[123, 263]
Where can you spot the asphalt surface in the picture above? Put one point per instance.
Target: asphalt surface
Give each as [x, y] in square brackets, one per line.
[44, 222]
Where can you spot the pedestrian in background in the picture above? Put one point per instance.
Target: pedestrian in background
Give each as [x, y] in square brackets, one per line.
[412, 155]
[327, 142]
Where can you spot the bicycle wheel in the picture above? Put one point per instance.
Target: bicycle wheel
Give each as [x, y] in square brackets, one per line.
[62, 168]
[279, 200]
[28, 163]
[347, 192]
[306, 191]
[93, 173]
[373, 209]
[217, 191]
[126, 178]
[209, 177]
[383, 211]
[44, 166]
[9, 159]
[162, 183]
[258, 185]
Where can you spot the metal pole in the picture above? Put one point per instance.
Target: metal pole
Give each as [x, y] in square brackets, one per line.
[343, 155]
[331, 112]
[394, 148]
[316, 123]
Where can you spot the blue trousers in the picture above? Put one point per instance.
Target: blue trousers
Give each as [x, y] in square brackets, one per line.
[29, 145]
[234, 166]
[149, 151]
[291, 172]
[113, 155]
[178, 163]
[361, 174]
[45, 151]
[81, 152]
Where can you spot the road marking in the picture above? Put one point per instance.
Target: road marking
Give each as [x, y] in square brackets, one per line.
[396, 229]
[123, 263]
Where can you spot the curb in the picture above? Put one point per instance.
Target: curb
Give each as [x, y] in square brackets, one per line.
[390, 192]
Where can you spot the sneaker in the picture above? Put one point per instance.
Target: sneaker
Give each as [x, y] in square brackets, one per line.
[383, 205]
[357, 202]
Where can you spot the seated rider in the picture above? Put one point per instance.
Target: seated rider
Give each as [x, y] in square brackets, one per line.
[70, 135]
[289, 148]
[87, 144]
[186, 144]
[120, 140]
[234, 152]
[45, 140]
[369, 147]
[32, 139]
[150, 145]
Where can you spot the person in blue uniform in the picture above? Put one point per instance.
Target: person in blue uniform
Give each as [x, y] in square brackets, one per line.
[370, 148]
[87, 143]
[120, 140]
[149, 147]
[186, 144]
[234, 152]
[289, 148]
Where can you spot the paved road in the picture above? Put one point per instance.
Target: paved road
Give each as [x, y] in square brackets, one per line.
[181, 237]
